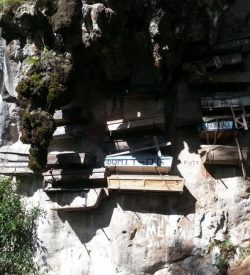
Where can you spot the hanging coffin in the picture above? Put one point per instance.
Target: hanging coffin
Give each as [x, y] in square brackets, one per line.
[150, 183]
[140, 163]
[221, 155]
[214, 129]
[222, 101]
[155, 122]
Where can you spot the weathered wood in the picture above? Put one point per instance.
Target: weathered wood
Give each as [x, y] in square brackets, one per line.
[65, 159]
[71, 115]
[221, 155]
[130, 144]
[153, 122]
[234, 43]
[140, 149]
[220, 101]
[213, 62]
[140, 163]
[15, 170]
[11, 157]
[91, 201]
[223, 78]
[71, 131]
[67, 175]
[16, 148]
[217, 128]
[151, 183]
[219, 124]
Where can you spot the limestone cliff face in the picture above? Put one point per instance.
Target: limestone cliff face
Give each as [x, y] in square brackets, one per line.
[112, 47]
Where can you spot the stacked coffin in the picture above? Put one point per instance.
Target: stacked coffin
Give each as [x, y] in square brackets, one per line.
[72, 171]
[142, 170]
[138, 156]
[226, 114]
[80, 185]
[14, 160]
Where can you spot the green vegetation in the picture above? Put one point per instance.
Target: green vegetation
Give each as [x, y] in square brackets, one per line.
[37, 129]
[42, 91]
[227, 252]
[17, 232]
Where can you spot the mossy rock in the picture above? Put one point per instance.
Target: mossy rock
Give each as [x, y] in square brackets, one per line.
[37, 128]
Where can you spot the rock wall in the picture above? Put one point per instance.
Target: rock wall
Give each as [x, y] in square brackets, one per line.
[114, 46]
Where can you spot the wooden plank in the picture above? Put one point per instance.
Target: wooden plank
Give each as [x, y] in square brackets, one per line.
[69, 158]
[131, 144]
[140, 163]
[16, 148]
[140, 149]
[67, 175]
[152, 122]
[14, 164]
[214, 62]
[223, 78]
[234, 43]
[221, 154]
[11, 157]
[15, 171]
[219, 125]
[69, 132]
[219, 101]
[146, 183]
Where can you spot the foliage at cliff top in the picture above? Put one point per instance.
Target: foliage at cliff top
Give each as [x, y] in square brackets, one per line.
[17, 232]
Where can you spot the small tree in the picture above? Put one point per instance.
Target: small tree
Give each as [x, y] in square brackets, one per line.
[17, 232]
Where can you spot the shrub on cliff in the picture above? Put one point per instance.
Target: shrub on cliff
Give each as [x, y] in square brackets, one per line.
[17, 232]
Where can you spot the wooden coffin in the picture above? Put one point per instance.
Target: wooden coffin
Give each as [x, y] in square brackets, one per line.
[75, 175]
[221, 155]
[223, 78]
[151, 183]
[69, 132]
[15, 168]
[141, 123]
[215, 129]
[139, 163]
[17, 148]
[214, 62]
[68, 158]
[225, 100]
[235, 43]
[71, 115]
[120, 145]
[90, 200]
[11, 157]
